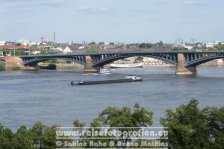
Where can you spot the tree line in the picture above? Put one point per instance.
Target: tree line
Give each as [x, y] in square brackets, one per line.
[188, 127]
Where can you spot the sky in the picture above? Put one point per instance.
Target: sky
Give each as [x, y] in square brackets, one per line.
[112, 20]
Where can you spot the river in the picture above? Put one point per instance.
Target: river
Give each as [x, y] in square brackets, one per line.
[27, 97]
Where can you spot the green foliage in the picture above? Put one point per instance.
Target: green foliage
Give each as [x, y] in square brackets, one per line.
[101, 43]
[43, 136]
[190, 127]
[139, 59]
[17, 52]
[215, 125]
[217, 47]
[159, 43]
[6, 138]
[22, 138]
[49, 66]
[18, 44]
[92, 43]
[21, 52]
[53, 61]
[179, 48]
[6, 51]
[92, 50]
[47, 52]
[124, 117]
[2, 65]
[145, 46]
[77, 123]
[15, 68]
[199, 46]
[159, 46]
[39, 136]
[118, 118]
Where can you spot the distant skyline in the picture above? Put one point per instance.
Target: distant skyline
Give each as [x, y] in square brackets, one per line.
[112, 20]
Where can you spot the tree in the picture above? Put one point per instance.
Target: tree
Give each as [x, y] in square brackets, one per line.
[122, 119]
[190, 127]
[215, 124]
[6, 138]
[18, 44]
[22, 138]
[77, 123]
[145, 45]
[43, 136]
[160, 43]
[92, 43]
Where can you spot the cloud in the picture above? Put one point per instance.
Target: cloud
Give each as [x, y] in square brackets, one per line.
[164, 2]
[191, 2]
[34, 3]
[25, 6]
[138, 10]
[16, 6]
[52, 3]
[92, 10]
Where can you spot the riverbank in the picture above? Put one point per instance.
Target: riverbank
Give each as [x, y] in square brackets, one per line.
[70, 66]
[162, 64]
[65, 66]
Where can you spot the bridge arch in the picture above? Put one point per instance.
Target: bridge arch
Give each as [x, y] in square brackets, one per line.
[35, 61]
[203, 60]
[111, 59]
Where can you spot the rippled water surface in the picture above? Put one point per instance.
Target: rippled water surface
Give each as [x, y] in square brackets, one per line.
[47, 96]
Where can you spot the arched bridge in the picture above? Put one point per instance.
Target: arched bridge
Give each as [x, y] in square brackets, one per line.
[185, 61]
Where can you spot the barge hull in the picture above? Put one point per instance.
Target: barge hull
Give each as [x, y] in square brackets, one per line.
[105, 82]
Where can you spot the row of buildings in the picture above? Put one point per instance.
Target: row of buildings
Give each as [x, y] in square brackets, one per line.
[66, 48]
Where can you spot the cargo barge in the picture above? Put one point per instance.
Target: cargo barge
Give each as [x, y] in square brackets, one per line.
[131, 78]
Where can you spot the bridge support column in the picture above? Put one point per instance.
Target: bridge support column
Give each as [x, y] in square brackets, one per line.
[13, 62]
[88, 68]
[181, 69]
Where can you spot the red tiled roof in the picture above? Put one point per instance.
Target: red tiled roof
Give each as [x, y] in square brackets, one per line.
[12, 47]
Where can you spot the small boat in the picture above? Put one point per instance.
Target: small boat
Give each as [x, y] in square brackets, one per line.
[130, 78]
[105, 71]
[134, 65]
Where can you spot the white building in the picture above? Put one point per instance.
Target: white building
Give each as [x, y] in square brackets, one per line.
[2, 43]
[189, 47]
[211, 44]
[81, 47]
[59, 49]
[24, 42]
[66, 50]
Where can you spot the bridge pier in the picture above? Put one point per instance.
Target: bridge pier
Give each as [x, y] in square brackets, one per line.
[88, 68]
[12, 62]
[181, 69]
[15, 62]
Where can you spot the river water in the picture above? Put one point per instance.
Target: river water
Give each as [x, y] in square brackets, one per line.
[27, 97]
